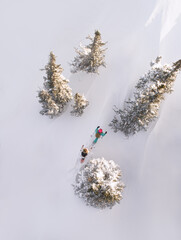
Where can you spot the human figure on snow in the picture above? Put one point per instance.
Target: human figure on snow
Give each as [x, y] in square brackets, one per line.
[84, 153]
[98, 134]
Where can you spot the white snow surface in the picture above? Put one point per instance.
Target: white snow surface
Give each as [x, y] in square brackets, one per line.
[38, 155]
[171, 10]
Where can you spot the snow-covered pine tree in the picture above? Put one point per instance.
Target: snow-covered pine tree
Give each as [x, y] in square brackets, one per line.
[99, 183]
[89, 58]
[149, 93]
[57, 93]
[80, 103]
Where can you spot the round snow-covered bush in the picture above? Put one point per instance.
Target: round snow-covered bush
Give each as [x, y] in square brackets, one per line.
[99, 183]
[80, 103]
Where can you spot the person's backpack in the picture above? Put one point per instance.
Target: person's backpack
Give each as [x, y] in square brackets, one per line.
[98, 135]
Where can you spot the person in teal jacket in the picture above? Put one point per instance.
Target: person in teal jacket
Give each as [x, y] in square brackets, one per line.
[98, 134]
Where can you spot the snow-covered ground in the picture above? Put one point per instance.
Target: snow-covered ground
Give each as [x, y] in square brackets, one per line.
[38, 155]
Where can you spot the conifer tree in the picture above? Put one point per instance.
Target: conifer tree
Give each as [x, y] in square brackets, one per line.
[149, 92]
[80, 103]
[99, 183]
[89, 58]
[56, 93]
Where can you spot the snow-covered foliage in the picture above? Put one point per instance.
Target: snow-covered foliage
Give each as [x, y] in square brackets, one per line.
[80, 103]
[89, 58]
[57, 93]
[99, 183]
[148, 95]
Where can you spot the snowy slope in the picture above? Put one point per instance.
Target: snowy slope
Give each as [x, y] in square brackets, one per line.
[38, 155]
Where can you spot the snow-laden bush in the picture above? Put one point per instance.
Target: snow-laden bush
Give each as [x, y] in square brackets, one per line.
[80, 103]
[99, 183]
[150, 91]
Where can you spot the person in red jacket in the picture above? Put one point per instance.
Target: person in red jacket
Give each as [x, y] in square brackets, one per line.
[98, 133]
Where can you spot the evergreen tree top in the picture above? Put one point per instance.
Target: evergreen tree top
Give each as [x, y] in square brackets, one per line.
[52, 64]
[97, 33]
[52, 57]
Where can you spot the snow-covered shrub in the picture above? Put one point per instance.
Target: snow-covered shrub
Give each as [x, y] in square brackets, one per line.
[80, 103]
[48, 104]
[57, 93]
[149, 92]
[89, 58]
[99, 183]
